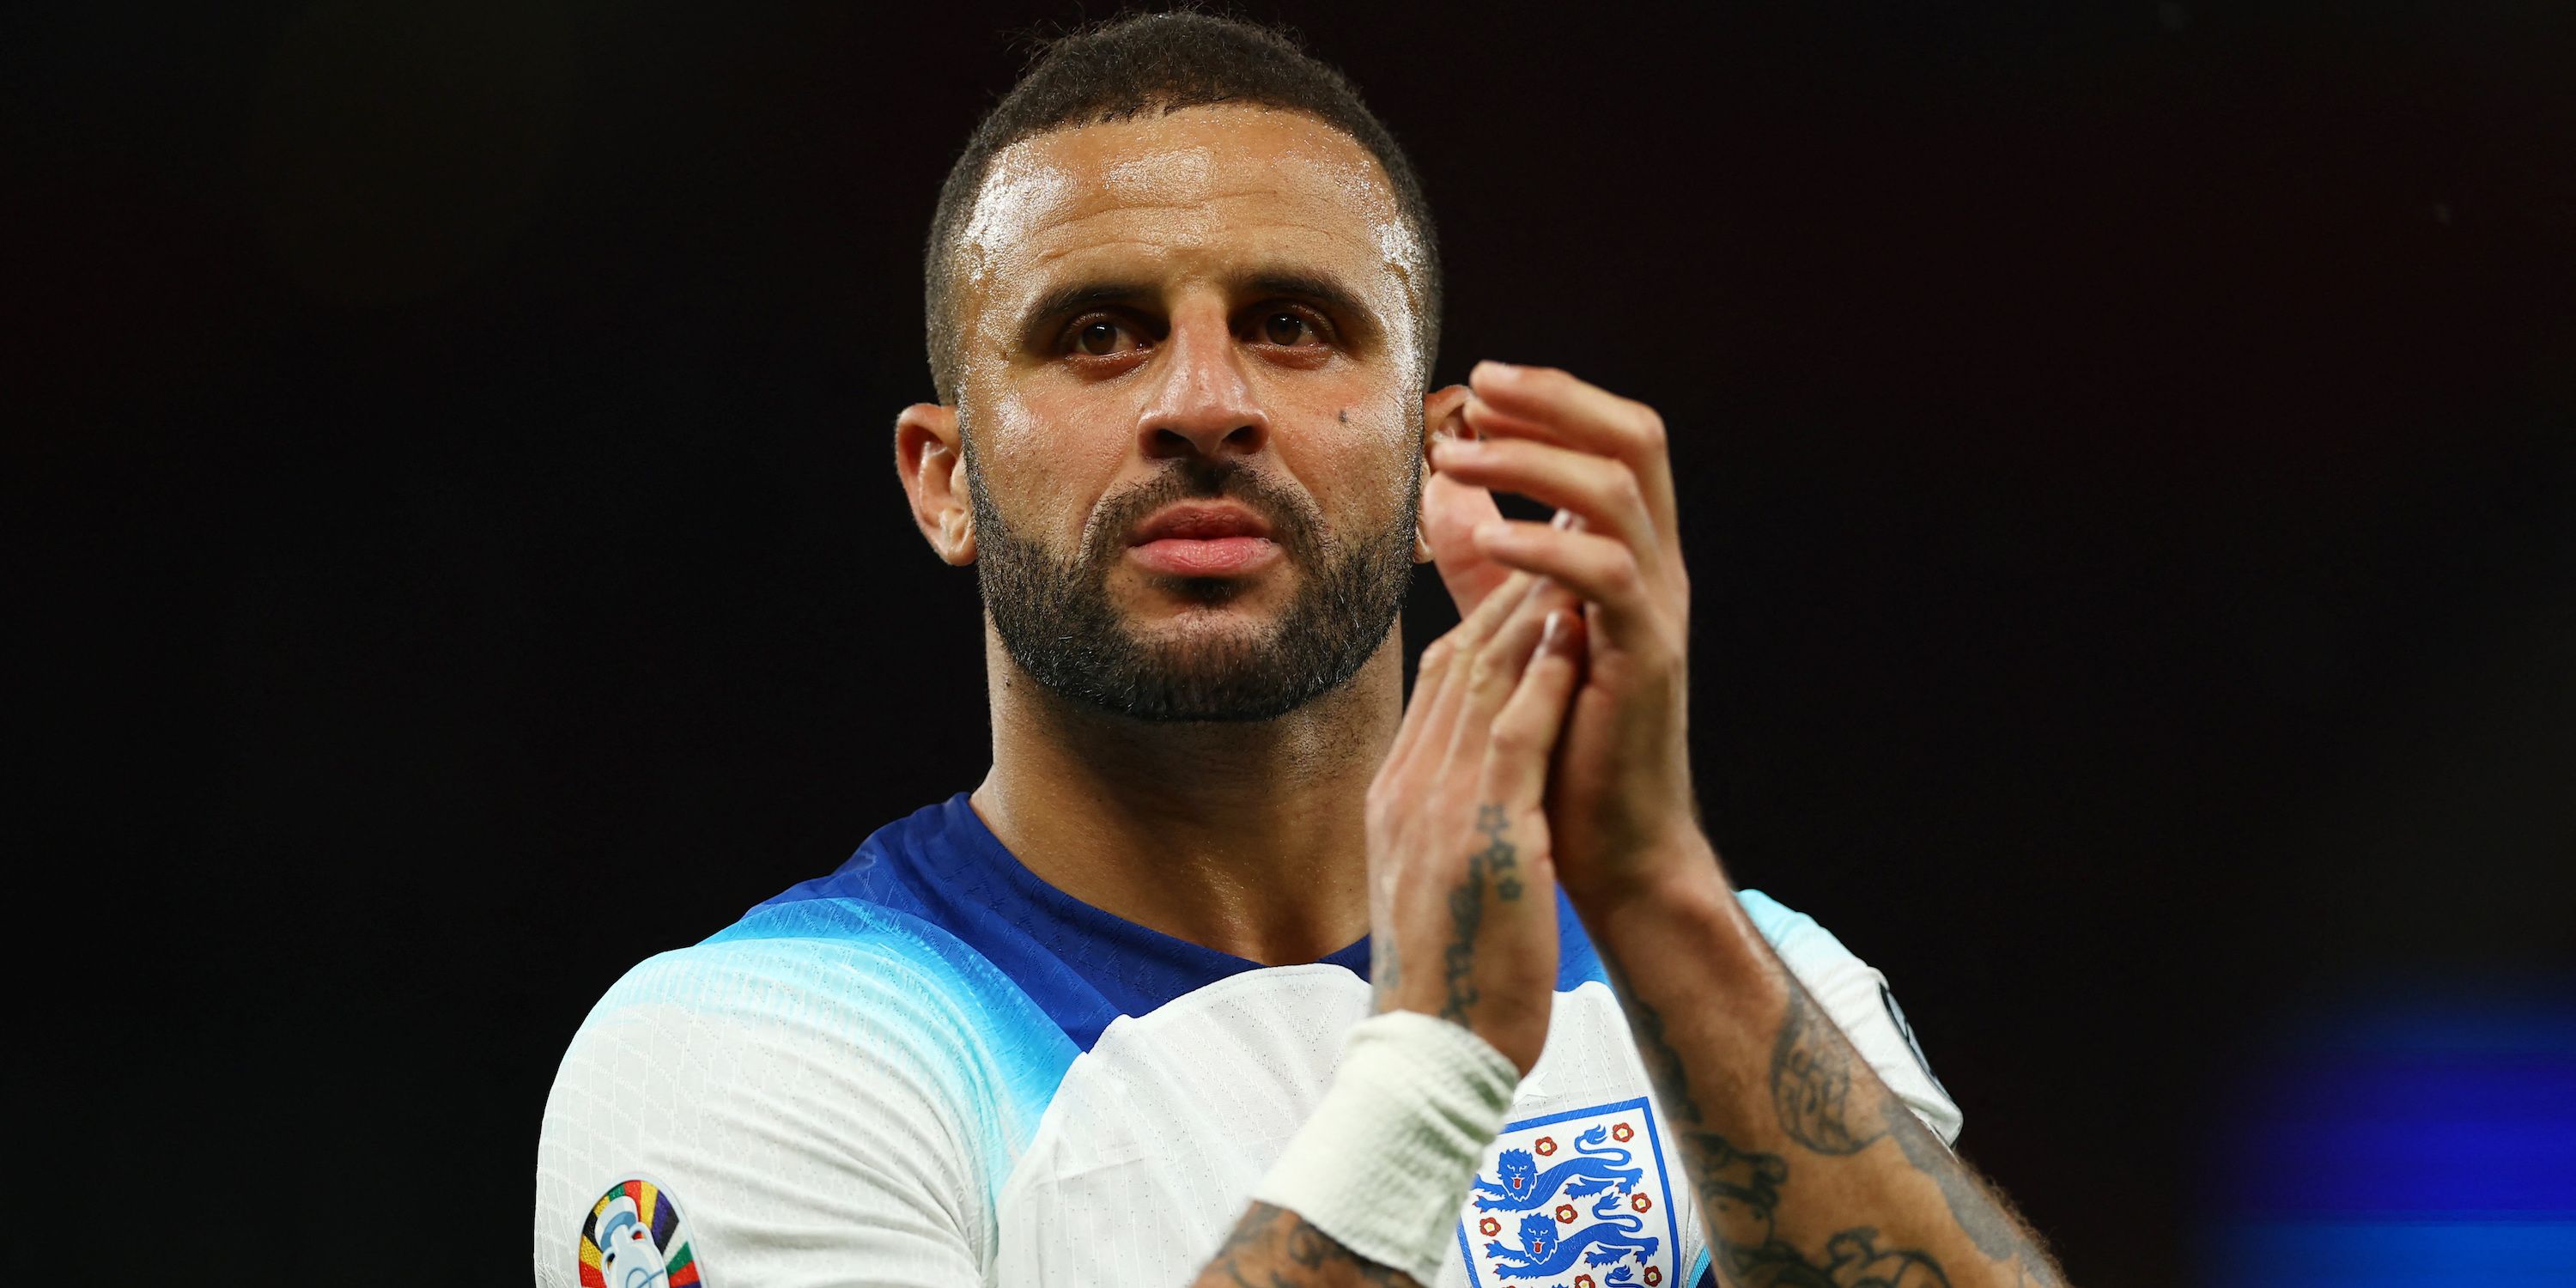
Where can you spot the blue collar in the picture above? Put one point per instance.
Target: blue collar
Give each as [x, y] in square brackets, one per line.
[1083, 966]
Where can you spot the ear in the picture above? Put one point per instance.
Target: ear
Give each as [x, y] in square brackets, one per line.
[1444, 415]
[931, 461]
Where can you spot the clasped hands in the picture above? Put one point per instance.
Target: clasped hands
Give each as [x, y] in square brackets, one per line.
[1545, 743]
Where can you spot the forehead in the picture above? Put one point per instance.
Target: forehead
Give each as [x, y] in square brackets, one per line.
[1203, 185]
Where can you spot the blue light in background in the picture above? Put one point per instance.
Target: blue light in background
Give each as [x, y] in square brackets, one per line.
[2417, 1144]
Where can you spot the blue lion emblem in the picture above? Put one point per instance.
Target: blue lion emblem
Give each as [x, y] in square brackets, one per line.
[1518, 1185]
[1613, 1236]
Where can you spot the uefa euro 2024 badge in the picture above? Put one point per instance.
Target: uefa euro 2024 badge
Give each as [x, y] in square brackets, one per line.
[635, 1237]
[1574, 1200]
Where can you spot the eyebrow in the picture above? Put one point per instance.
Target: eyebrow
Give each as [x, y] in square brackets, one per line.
[1336, 298]
[1077, 296]
[1318, 288]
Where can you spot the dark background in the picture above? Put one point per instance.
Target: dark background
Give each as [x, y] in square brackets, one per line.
[2126, 455]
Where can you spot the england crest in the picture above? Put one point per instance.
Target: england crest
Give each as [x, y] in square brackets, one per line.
[1574, 1200]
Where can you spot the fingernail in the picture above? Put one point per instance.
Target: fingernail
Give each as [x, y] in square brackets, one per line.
[1552, 635]
[1497, 370]
[1564, 519]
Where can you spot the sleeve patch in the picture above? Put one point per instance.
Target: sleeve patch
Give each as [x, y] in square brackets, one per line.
[635, 1237]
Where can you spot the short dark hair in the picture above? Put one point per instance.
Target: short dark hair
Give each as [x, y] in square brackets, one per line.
[1115, 70]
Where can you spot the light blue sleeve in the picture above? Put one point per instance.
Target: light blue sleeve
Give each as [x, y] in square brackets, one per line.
[829, 1092]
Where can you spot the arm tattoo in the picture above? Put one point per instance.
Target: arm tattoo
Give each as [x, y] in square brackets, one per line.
[1982, 1214]
[1663, 1063]
[1458, 960]
[1811, 1074]
[1738, 1192]
[1501, 859]
[1272, 1247]
[1811, 1079]
[1386, 969]
[1739, 1189]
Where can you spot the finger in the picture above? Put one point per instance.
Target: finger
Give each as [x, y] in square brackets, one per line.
[1653, 479]
[1427, 673]
[1489, 616]
[1523, 737]
[1487, 682]
[1601, 570]
[1426, 731]
[1468, 640]
[1602, 490]
[1450, 512]
[1542, 402]
[1586, 415]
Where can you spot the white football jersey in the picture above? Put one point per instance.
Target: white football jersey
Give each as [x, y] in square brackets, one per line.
[932, 1069]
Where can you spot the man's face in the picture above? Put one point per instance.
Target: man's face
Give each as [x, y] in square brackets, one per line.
[1213, 307]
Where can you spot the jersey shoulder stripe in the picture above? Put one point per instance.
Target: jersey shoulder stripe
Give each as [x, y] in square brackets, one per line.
[826, 1083]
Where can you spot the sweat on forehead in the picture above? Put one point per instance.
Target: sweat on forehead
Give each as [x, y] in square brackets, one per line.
[1206, 190]
[1188, 155]
[1136, 70]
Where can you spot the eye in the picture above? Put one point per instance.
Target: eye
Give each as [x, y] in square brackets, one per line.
[1102, 337]
[1287, 328]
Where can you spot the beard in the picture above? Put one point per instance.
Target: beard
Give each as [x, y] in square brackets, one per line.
[1057, 620]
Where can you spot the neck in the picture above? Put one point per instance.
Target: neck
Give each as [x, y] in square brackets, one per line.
[1249, 838]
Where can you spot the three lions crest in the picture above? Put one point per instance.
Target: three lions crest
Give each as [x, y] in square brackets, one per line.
[1573, 1200]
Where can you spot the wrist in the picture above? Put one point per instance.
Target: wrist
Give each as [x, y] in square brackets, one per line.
[1678, 872]
[1517, 1032]
[1687, 912]
[1386, 1159]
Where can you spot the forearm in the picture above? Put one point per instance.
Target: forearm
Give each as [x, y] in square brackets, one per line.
[1272, 1247]
[1805, 1164]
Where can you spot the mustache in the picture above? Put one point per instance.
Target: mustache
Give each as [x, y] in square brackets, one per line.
[1293, 522]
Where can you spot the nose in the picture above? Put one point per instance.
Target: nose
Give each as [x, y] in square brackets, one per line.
[1205, 404]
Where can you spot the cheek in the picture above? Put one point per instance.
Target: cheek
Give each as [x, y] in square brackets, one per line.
[1013, 429]
[1365, 466]
[1038, 453]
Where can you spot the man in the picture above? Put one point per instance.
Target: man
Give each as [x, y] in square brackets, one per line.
[1237, 966]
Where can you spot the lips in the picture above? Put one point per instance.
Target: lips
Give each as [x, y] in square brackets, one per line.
[1200, 522]
[1203, 540]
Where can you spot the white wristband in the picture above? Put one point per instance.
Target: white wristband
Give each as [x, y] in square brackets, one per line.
[1384, 1164]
